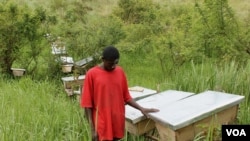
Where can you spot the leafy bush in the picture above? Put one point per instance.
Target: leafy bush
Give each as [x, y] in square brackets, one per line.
[20, 36]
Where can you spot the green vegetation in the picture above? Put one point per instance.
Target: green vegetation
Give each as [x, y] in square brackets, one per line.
[184, 45]
[33, 110]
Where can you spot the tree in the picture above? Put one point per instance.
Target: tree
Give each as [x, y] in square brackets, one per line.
[219, 31]
[19, 33]
[136, 11]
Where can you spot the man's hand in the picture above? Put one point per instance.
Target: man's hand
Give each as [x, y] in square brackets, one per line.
[145, 111]
[94, 135]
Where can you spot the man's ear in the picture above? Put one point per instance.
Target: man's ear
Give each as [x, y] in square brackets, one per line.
[102, 59]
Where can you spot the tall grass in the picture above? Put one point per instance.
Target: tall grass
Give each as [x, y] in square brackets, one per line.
[33, 110]
[39, 111]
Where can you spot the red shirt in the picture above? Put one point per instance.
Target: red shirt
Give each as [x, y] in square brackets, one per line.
[106, 92]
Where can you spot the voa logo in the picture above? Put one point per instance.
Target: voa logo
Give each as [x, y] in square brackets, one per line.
[236, 132]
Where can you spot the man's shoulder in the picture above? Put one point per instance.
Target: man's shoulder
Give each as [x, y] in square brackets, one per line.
[119, 67]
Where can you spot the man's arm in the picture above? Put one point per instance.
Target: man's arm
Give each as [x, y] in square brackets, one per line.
[88, 115]
[144, 111]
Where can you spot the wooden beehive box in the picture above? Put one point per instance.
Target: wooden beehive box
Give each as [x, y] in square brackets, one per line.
[137, 123]
[184, 119]
[18, 72]
[138, 92]
[70, 82]
[84, 61]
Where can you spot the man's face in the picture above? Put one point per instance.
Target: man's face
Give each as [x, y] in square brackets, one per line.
[110, 65]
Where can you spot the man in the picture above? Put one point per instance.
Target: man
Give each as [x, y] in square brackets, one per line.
[105, 93]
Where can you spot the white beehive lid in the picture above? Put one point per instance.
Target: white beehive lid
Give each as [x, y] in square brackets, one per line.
[194, 108]
[159, 101]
